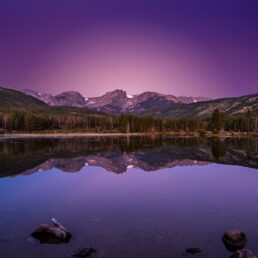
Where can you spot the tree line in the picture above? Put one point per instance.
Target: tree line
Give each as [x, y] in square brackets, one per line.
[17, 120]
[245, 122]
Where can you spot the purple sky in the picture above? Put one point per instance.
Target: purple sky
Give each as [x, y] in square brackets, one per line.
[184, 47]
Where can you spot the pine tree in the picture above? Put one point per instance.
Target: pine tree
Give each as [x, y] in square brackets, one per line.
[217, 120]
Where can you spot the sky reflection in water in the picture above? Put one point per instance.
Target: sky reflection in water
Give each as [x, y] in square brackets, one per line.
[133, 214]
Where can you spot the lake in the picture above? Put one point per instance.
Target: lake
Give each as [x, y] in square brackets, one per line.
[128, 197]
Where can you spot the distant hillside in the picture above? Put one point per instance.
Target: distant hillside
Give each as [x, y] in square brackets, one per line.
[169, 106]
[151, 103]
[69, 98]
[231, 106]
[114, 102]
[12, 99]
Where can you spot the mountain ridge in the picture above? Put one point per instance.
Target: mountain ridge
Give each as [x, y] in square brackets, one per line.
[11, 99]
[53, 99]
[150, 103]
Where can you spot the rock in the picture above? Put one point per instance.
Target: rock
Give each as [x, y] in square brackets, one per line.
[243, 254]
[83, 251]
[54, 233]
[194, 250]
[234, 240]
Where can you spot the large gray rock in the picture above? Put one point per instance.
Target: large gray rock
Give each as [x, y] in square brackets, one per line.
[234, 240]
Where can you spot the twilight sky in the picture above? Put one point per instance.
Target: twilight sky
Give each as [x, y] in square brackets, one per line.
[183, 47]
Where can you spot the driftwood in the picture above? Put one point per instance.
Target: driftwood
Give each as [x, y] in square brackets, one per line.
[53, 233]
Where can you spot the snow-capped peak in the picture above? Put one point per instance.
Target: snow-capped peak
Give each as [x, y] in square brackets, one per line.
[129, 96]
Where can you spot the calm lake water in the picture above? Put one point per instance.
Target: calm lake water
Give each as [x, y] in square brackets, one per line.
[128, 197]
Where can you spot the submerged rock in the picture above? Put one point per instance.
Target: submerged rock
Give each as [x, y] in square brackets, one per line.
[234, 240]
[54, 233]
[83, 251]
[194, 250]
[243, 254]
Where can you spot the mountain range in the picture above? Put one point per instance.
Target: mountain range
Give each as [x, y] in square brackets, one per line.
[118, 102]
[149, 103]
[118, 99]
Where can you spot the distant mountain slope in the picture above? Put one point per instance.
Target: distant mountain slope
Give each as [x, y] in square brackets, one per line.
[47, 98]
[231, 106]
[12, 99]
[118, 101]
[151, 103]
[189, 99]
[160, 105]
[69, 98]
[114, 102]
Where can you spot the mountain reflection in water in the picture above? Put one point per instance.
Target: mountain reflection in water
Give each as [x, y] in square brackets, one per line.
[117, 154]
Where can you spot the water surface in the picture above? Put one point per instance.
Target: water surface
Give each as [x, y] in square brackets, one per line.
[128, 197]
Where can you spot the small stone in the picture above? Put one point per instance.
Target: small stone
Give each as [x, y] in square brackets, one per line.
[243, 254]
[234, 240]
[83, 251]
[194, 250]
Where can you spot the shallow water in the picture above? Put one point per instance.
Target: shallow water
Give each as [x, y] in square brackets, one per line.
[128, 197]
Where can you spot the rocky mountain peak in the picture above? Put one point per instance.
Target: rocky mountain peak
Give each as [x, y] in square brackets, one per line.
[70, 98]
[113, 101]
[70, 94]
[155, 95]
[115, 93]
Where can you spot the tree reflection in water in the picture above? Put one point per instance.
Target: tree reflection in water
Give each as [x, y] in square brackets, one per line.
[117, 154]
